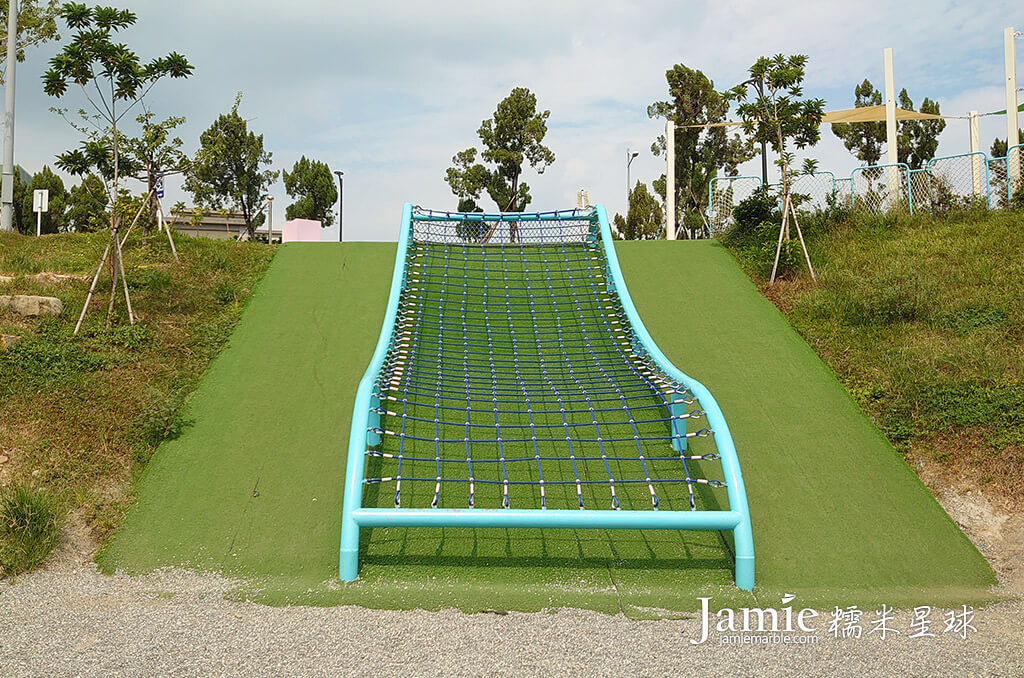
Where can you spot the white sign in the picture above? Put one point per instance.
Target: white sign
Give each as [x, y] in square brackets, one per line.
[40, 200]
[159, 186]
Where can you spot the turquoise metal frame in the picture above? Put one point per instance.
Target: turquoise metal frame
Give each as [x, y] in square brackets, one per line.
[355, 516]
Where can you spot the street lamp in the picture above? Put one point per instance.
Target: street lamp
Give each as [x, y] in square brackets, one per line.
[629, 161]
[270, 220]
[759, 83]
[340, 197]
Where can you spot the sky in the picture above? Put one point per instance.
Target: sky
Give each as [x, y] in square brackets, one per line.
[388, 92]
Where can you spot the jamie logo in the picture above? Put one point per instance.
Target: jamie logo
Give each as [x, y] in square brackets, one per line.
[757, 625]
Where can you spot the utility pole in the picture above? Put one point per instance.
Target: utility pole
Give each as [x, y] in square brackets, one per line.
[7, 190]
[341, 196]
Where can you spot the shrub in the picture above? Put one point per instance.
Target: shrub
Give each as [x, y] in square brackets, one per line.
[761, 207]
[29, 529]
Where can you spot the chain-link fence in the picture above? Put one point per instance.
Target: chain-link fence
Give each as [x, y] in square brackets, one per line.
[811, 192]
[951, 182]
[724, 193]
[881, 188]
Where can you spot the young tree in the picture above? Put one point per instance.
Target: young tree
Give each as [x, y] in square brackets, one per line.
[52, 220]
[645, 219]
[512, 136]
[780, 117]
[113, 81]
[229, 168]
[154, 153]
[700, 152]
[87, 206]
[36, 24]
[315, 188]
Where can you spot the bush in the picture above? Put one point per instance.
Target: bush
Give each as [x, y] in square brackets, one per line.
[759, 208]
[29, 529]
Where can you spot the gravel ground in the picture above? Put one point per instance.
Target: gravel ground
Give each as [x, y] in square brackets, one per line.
[69, 620]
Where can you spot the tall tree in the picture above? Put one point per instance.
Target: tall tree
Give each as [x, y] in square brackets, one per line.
[780, 117]
[916, 140]
[645, 219]
[229, 168]
[113, 81]
[52, 220]
[37, 23]
[315, 190]
[87, 206]
[700, 151]
[863, 139]
[510, 137]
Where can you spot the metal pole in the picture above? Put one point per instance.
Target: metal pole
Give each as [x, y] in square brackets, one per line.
[764, 147]
[670, 180]
[1012, 163]
[892, 152]
[629, 183]
[270, 220]
[7, 190]
[341, 198]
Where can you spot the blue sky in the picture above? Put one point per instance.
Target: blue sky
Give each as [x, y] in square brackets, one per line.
[389, 91]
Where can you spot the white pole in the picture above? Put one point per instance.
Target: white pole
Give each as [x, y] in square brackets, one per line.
[670, 180]
[972, 116]
[7, 190]
[892, 153]
[1013, 163]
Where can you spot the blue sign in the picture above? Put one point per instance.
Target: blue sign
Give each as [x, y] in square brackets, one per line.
[159, 186]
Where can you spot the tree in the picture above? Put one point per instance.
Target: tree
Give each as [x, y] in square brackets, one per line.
[863, 139]
[228, 168]
[21, 220]
[779, 117]
[87, 206]
[52, 220]
[645, 220]
[700, 152]
[313, 184]
[916, 140]
[113, 81]
[512, 136]
[154, 153]
[36, 24]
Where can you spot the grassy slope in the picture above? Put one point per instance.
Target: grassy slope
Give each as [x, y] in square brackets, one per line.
[923, 320]
[79, 416]
[253, 487]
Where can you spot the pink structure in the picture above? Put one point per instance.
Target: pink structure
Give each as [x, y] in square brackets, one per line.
[301, 230]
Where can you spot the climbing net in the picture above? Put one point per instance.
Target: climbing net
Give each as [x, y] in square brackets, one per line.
[514, 379]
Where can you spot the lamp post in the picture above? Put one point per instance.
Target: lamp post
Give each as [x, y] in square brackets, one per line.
[270, 220]
[759, 84]
[629, 161]
[340, 199]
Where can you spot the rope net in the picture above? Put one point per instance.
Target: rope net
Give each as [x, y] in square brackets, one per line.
[513, 380]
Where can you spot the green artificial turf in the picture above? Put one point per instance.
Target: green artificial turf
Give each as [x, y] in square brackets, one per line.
[253, 487]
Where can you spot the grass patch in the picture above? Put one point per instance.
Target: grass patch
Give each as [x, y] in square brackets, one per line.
[81, 415]
[29, 528]
[922, 319]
